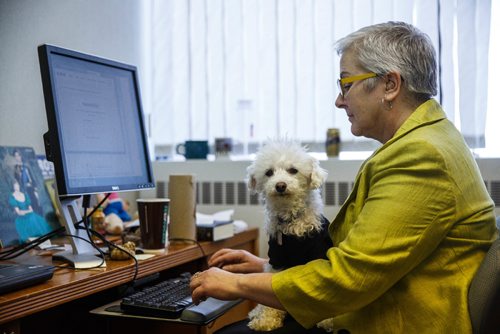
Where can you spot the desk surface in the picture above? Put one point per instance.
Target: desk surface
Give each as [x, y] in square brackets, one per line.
[68, 284]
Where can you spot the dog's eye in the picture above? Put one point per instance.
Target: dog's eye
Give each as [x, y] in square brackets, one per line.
[269, 172]
[292, 171]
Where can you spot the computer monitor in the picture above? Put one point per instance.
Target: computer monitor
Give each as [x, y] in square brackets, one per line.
[96, 133]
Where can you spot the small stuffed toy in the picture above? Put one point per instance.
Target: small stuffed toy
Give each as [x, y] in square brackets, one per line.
[115, 211]
[113, 224]
[114, 204]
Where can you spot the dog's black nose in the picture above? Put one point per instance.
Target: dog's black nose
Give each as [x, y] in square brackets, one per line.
[280, 187]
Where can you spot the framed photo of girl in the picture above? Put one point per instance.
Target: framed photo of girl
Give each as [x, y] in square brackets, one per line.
[26, 210]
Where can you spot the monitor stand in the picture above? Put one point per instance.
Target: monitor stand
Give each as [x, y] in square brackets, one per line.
[82, 255]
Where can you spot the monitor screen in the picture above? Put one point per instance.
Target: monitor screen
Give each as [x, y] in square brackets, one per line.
[96, 136]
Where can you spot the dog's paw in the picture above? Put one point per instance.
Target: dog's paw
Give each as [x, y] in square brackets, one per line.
[255, 312]
[263, 318]
[326, 324]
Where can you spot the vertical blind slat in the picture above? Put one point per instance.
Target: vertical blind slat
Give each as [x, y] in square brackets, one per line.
[258, 69]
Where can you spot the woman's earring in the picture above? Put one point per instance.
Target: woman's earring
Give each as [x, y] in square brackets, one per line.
[388, 102]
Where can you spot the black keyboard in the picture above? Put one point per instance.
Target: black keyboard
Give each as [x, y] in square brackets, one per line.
[171, 299]
[166, 299]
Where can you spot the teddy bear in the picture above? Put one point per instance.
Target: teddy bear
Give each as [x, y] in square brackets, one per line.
[115, 211]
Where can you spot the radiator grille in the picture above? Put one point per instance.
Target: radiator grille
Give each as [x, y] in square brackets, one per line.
[237, 193]
[495, 192]
[329, 194]
[230, 193]
[218, 195]
[343, 192]
[206, 193]
[242, 193]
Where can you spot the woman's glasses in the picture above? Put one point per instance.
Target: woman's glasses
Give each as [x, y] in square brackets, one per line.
[346, 83]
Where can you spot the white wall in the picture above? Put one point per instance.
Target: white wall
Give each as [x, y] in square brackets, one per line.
[110, 29]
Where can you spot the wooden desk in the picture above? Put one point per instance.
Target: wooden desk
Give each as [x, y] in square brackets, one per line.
[72, 292]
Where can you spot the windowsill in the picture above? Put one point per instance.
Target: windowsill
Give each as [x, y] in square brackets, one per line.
[352, 151]
[483, 153]
[321, 156]
[344, 155]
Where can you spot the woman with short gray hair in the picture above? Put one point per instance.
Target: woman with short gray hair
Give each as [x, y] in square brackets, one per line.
[413, 232]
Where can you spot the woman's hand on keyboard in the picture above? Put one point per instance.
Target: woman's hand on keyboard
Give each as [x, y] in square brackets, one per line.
[224, 285]
[237, 261]
[213, 282]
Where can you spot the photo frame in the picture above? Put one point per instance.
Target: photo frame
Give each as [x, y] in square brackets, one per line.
[26, 209]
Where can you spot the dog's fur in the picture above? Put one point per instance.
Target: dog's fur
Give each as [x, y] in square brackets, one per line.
[288, 180]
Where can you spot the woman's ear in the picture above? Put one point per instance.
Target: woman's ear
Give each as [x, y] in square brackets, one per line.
[393, 83]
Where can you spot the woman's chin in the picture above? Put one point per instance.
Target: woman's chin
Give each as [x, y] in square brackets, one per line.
[355, 131]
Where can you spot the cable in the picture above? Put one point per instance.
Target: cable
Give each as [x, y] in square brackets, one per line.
[91, 232]
[19, 250]
[100, 252]
[86, 205]
[12, 253]
[86, 224]
[113, 245]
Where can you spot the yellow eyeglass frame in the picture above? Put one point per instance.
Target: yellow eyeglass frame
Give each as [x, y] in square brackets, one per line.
[347, 80]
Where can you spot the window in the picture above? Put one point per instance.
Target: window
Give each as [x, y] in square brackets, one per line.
[252, 70]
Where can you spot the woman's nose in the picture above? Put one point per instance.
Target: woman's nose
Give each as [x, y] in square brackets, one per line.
[339, 102]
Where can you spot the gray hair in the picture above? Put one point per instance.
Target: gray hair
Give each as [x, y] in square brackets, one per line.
[395, 46]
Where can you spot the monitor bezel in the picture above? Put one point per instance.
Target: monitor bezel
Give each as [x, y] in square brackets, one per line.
[52, 138]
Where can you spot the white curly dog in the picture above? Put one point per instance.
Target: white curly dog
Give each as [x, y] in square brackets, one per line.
[288, 180]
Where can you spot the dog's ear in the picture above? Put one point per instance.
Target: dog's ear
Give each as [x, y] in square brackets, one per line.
[318, 176]
[251, 181]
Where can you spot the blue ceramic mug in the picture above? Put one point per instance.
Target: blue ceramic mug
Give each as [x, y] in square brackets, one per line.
[193, 149]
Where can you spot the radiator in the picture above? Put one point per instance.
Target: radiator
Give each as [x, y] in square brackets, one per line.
[221, 185]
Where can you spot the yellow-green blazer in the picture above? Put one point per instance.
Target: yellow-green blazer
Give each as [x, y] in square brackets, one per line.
[407, 241]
